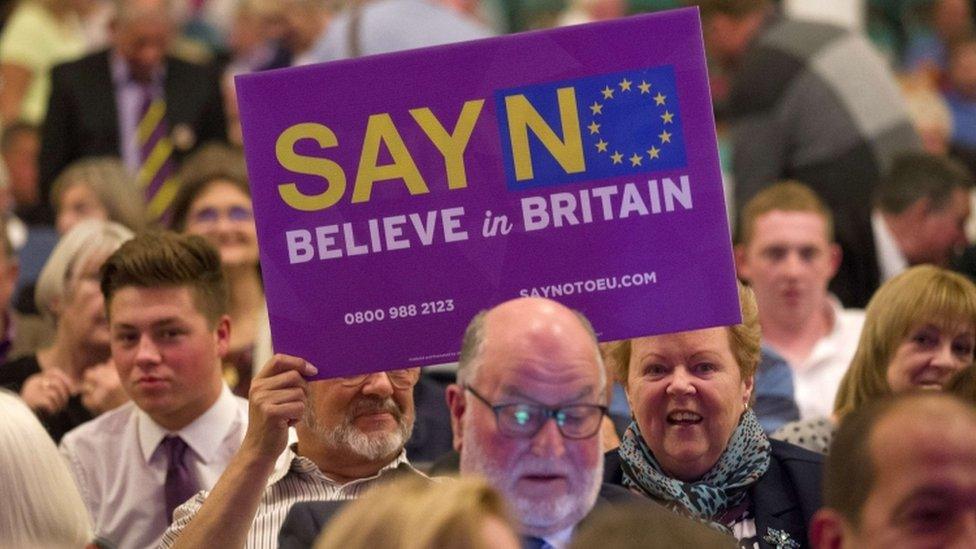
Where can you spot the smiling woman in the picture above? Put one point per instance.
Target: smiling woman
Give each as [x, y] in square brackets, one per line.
[696, 446]
[919, 330]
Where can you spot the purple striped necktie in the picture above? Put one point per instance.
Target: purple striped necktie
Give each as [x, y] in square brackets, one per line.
[156, 174]
[180, 483]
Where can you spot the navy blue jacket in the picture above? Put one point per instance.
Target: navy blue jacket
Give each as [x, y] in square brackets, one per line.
[784, 499]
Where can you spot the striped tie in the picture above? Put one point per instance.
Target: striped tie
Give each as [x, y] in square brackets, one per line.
[156, 174]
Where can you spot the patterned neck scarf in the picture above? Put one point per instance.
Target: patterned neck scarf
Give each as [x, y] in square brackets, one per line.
[721, 489]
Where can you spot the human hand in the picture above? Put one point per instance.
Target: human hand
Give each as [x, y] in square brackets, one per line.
[277, 401]
[101, 388]
[47, 392]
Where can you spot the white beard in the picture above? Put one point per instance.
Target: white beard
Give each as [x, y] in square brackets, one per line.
[537, 517]
[372, 446]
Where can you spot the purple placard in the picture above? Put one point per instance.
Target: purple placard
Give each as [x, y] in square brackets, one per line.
[397, 195]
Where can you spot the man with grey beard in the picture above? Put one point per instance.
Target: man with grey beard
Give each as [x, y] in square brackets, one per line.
[527, 411]
[351, 431]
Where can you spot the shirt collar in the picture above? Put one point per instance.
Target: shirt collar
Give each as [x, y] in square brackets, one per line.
[289, 462]
[119, 68]
[890, 259]
[204, 435]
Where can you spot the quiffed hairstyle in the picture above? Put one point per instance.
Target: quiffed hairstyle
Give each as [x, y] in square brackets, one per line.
[42, 506]
[415, 513]
[917, 175]
[166, 259]
[744, 340]
[91, 240]
[212, 163]
[922, 294]
[785, 196]
[108, 178]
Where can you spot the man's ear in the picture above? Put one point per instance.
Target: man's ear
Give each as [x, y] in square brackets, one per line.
[222, 333]
[827, 529]
[456, 405]
[836, 256]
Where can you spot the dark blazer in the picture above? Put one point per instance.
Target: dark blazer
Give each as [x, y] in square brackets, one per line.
[859, 275]
[82, 117]
[785, 498]
[306, 520]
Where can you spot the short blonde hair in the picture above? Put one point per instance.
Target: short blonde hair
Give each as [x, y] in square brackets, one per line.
[418, 513]
[921, 294]
[88, 240]
[786, 196]
[42, 506]
[107, 177]
[744, 340]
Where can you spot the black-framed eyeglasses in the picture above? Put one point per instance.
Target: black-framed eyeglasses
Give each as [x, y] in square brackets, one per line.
[401, 379]
[523, 420]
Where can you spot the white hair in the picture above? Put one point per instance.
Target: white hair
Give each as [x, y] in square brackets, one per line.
[42, 506]
[87, 240]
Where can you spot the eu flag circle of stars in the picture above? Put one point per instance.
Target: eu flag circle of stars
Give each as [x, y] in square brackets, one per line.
[622, 94]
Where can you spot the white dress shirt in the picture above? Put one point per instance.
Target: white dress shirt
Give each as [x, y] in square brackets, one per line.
[816, 379]
[890, 259]
[121, 474]
[295, 478]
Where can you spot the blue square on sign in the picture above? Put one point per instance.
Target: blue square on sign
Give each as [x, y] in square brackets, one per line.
[597, 127]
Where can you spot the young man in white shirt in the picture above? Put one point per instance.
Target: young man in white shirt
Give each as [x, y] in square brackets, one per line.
[786, 252]
[166, 300]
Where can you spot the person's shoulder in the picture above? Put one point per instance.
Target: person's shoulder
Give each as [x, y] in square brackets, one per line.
[93, 434]
[791, 453]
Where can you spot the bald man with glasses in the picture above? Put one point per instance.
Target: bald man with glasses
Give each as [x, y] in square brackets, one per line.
[351, 433]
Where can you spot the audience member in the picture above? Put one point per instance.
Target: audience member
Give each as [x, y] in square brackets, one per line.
[99, 102]
[165, 296]
[587, 11]
[786, 252]
[69, 382]
[823, 109]
[382, 26]
[214, 202]
[42, 507]
[901, 473]
[695, 445]
[919, 216]
[351, 434]
[919, 330]
[19, 147]
[524, 363]
[39, 35]
[413, 513]
[96, 188]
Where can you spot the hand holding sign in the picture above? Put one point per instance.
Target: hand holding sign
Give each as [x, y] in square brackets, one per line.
[276, 401]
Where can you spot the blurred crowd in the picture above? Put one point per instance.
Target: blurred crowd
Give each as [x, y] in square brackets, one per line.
[142, 404]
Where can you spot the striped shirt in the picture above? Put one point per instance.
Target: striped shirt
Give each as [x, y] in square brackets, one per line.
[295, 478]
